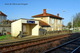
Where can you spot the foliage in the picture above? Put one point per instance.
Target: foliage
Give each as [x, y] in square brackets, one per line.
[5, 22]
[4, 37]
[76, 20]
[69, 25]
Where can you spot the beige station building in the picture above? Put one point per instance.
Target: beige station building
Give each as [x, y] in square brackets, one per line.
[54, 21]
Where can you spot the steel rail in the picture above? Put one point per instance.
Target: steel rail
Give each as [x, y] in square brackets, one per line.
[75, 50]
[60, 46]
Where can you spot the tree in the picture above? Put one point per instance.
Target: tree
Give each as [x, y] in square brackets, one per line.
[69, 25]
[5, 22]
[76, 20]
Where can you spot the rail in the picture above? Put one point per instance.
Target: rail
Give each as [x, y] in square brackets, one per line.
[53, 49]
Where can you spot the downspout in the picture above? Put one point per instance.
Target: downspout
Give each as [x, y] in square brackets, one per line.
[55, 24]
[48, 22]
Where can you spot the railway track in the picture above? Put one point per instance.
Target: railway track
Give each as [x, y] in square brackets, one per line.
[32, 40]
[22, 46]
[69, 47]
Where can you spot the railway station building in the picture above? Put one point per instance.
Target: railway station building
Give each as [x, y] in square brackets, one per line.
[54, 21]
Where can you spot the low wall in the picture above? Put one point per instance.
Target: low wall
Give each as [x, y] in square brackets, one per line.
[6, 28]
[54, 32]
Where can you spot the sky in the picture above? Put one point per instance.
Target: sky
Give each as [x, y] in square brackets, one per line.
[35, 7]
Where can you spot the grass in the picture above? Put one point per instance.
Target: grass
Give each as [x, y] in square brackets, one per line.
[5, 37]
[76, 30]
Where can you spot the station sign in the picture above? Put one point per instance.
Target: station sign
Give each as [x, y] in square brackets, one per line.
[30, 21]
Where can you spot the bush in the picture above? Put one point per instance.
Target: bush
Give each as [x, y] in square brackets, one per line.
[0, 34]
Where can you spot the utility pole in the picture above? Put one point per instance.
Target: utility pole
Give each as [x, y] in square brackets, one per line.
[62, 16]
[62, 12]
[72, 22]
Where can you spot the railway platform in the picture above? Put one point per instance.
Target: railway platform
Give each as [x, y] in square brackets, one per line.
[28, 38]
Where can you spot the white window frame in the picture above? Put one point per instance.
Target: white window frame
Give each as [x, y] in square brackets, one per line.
[52, 20]
[48, 20]
[58, 28]
[52, 28]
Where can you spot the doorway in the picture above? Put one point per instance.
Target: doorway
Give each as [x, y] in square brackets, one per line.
[28, 29]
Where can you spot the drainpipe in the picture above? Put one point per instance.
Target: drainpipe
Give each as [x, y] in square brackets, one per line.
[21, 33]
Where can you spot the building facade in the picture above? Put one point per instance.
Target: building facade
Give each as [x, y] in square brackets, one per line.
[54, 21]
[2, 16]
[28, 27]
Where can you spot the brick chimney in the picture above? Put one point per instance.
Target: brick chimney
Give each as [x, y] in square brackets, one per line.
[44, 11]
[0, 12]
[58, 14]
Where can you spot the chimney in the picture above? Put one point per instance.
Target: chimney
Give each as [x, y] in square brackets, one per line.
[0, 12]
[44, 11]
[58, 14]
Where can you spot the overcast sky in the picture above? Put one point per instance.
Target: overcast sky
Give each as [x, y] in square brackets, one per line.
[34, 7]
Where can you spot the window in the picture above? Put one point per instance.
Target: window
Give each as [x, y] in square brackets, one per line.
[2, 17]
[52, 20]
[58, 21]
[58, 28]
[45, 28]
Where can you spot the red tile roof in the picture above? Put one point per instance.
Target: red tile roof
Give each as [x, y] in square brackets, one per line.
[47, 14]
[2, 13]
[44, 14]
[63, 25]
[43, 24]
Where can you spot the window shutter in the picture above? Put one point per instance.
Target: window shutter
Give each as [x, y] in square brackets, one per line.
[58, 21]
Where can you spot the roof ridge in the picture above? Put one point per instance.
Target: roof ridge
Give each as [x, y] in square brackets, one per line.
[1, 13]
[47, 14]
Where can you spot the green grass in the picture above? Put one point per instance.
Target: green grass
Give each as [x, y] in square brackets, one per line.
[5, 37]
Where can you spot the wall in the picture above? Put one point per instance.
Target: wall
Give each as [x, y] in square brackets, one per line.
[58, 25]
[45, 19]
[7, 28]
[35, 30]
[16, 27]
[54, 25]
[51, 24]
